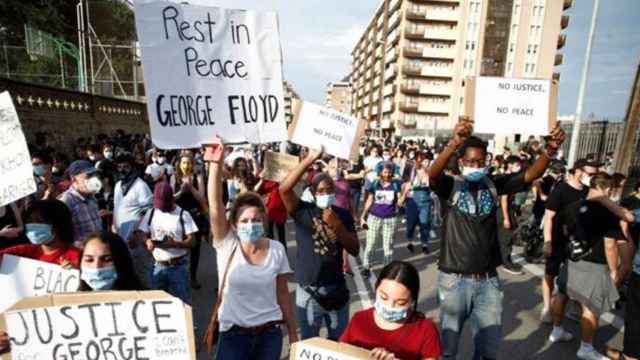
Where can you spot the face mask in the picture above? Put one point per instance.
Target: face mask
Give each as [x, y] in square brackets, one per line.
[516, 169]
[108, 155]
[325, 201]
[386, 157]
[586, 180]
[473, 174]
[40, 170]
[94, 185]
[412, 156]
[389, 313]
[39, 234]
[100, 278]
[92, 157]
[161, 160]
[250, 232]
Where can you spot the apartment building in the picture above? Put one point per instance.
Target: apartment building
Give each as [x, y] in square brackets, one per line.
[410, 63]
[289, 95]
[339, 96]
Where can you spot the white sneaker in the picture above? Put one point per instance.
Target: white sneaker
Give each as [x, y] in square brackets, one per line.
[560, 335]
[590, 354]
[545, 316]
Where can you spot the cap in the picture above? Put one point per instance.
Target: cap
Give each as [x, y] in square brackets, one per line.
[80, 167]
[586, 162]
[557, 167]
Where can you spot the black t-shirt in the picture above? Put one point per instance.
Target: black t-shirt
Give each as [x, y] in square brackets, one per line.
[598, 222]
[547, 184]
[356, 169]
[318, 259]
[633, 203]
[560, 198]
[470, 242]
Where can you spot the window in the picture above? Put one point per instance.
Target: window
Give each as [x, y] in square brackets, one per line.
[509, 66]
[535, 49]
[512, 47]
[533, 68]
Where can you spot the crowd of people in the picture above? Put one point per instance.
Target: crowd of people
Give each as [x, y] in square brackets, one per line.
[131, 216]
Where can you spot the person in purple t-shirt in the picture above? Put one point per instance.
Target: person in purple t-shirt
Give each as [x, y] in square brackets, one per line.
[380, 215]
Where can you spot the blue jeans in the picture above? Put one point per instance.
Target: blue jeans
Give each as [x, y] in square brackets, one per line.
[418, 214]
[236, 345]
[173, 279]
[479, 301]
[356, 195]
[311, 316]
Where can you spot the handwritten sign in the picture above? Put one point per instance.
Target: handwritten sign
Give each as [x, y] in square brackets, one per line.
[316, 126]
[210, 70]
[101, 325]
[17, 180]
[511, 106]
[323, 349]
[277, 166]
[22, 277]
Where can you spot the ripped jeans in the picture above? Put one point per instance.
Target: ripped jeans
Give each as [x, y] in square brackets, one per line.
[311, 316]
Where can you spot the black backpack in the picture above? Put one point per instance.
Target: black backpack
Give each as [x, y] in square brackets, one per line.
[181, 220]
[580, 243]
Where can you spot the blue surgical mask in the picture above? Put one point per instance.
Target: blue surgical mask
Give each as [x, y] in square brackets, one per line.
[39, 234]
[325, 201]
[389, 313]
[473, 174]
[250, 232]
[40, 170]
[99, 278]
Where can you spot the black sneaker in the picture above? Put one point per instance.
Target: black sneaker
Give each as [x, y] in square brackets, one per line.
[411, 247]
[512, 268]
[365, 273]
[425, 250]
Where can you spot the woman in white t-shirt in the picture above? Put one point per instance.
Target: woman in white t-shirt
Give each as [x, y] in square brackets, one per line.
[255, 295]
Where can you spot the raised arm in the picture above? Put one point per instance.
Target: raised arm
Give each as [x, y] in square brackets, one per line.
[535, 171]
[461, 133]
[217, 215]
[289, 197]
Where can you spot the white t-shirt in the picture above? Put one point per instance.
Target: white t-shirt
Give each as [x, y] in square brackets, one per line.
[370, 164]
[155, 170]
[249, 297]
[129, 209]
[164, 223]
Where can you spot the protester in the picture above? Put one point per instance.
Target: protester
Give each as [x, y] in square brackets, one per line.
[322, 232]
[632, 202]
[11, 226]
[254, 295]
[159, 164]
[394, 328]
[80, 198]
[48, 226]
[507, 217]
[418, 204]
[189, 191]
[380, 215]
[241, 180]
[169, 235]
[555, 241]
[592, 275]
[276, 211]
[468, 284]
[105, 264]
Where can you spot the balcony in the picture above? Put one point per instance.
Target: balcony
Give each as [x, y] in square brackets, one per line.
[567, 4]
[390, 73]
[440, 33]
[413, 51]
[558, 60]
[414, 31]
[564, 21]
[389, 90]
[439, 53]
[410, 88]
[411, 69]
[443, 15]
[408, 121]
[394, 20]
[409, 106]
[394, 5]
[416, 13]
[434, 107]
[442, 71]
[562, 40]
[392, 55]
[433, 89]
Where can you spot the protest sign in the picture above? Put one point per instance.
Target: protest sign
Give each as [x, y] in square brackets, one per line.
[17, 180]
[510, 105]
[314, 126]
[100, 325]
[22, 277]
[323, 349]
[210, 71]
[277, 166]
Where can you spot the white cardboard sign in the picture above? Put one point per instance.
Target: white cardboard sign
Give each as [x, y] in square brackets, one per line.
[208, 71]
[322, 349]
[316, 126]
[101, 326]
[21, 277]
[512, 106]
[17, 180]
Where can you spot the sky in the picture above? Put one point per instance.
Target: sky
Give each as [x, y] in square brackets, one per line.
[318, 36]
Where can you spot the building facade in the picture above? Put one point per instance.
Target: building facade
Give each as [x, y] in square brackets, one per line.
[339, 96]
[289, 95]
[598, 139]
[410, 64]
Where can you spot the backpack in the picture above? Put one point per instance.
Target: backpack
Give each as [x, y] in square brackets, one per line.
[580, 243]
[181, 220]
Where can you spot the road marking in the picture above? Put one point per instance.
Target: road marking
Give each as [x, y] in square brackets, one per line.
[363, 292]
[537, 270]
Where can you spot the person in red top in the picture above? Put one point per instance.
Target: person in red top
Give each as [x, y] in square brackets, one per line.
[394, 328]
[276, 211]
[50, 231]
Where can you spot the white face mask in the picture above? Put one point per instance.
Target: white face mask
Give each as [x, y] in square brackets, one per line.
[325, 201]
[586, 180]
[94, 185]
[161, 160]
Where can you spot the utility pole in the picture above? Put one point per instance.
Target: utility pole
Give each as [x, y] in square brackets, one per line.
[573, 150]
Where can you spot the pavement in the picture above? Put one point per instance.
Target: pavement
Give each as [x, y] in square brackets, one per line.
[524, 336]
